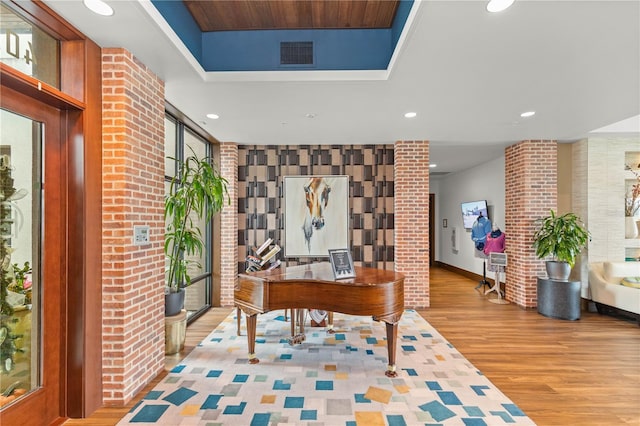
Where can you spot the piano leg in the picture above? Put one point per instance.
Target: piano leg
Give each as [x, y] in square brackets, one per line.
[293, 322]
[392, 335]
[330, 329]
[297, 318]
[251, 337]
[301, 320]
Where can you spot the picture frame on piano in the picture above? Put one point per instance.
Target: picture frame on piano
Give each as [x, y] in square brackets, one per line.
[342, 263]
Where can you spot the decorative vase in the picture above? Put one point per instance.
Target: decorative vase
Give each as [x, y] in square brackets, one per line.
[630, 227]
[173, 303]
[558, 271]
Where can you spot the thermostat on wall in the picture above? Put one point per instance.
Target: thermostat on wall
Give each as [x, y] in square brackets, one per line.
[140, 235]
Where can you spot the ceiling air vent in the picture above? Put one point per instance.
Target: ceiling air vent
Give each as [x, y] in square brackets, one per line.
[296, 53]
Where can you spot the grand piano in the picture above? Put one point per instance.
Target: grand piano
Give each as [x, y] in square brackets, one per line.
[375, 292]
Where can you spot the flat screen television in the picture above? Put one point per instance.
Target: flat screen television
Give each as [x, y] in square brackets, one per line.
[471, 210]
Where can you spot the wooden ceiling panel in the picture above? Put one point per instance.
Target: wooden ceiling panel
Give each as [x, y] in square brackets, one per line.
[258, 14]
[232, 15]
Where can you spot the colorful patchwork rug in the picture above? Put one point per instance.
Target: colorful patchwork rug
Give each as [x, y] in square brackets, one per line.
[329, 379]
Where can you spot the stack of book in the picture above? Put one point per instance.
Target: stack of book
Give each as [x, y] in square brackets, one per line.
[263, 257]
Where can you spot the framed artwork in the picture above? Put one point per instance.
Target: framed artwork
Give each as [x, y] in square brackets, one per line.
[342, 263]
[316, 215]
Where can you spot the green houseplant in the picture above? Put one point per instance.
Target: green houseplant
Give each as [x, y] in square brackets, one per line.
[197, 192]
[560, 238]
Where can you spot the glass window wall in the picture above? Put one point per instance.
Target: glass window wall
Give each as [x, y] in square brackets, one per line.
[182, 142]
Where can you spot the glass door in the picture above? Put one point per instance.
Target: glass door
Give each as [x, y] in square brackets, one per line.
[20, 283]
[31, 273]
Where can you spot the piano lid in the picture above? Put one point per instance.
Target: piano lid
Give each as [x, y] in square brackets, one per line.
[323, 271]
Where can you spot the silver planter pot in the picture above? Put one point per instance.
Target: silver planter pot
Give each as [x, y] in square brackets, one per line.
[558, 271]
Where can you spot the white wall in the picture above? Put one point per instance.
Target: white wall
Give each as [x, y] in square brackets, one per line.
[485, 181]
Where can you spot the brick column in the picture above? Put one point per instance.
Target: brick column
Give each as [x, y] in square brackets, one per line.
[531, 175]
[133, 193]
[229, 225]
[411, 220]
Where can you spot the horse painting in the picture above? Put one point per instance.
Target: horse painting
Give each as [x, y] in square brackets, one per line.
[316, 214]
[316, 193]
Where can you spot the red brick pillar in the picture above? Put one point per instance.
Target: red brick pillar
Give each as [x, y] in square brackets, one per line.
[133, 194]
[531, 175]
[411, 220]
[229, 225]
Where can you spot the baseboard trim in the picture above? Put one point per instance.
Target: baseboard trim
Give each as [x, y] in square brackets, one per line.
[468, 274]
[463, 272]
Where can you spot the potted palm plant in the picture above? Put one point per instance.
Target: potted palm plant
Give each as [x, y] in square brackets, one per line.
[560, 239]
[197, 192]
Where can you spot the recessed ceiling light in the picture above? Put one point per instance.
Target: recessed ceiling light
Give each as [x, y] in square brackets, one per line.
[498, 5]
[99, 7]
[213, 116]
[410, 114]
[528, 114]
[432, 165]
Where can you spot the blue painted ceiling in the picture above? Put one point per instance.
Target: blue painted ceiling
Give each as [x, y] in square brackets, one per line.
[259, 50]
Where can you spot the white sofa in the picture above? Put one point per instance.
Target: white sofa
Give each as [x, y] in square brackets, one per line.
[606, 289]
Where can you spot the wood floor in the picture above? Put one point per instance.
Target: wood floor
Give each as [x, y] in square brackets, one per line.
[584, 372]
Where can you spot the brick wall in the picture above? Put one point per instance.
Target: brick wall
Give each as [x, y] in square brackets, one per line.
[411, 207]
[229, 224]
[530, 191]
[133, 176]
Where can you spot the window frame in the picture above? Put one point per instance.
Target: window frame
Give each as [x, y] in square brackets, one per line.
[183, 125]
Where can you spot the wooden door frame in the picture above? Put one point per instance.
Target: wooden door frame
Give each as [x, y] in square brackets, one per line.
[80, 102]
[45, 403]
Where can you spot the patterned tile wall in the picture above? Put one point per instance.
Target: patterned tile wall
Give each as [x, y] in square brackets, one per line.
[370, 168]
